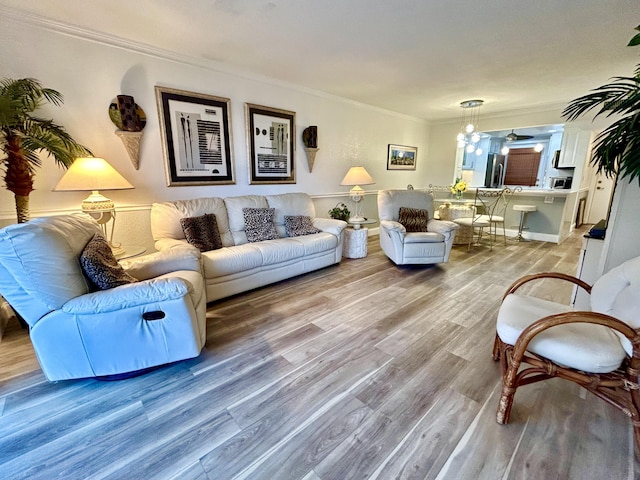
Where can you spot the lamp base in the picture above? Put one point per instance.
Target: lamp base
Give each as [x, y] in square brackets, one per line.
[356, 218]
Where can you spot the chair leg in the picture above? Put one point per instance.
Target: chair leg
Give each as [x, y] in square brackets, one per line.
[509, 384]
[496, 349]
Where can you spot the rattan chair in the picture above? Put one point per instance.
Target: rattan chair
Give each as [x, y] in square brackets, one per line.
[599, 349]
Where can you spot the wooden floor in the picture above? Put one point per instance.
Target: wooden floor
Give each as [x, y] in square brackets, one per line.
[359, 371]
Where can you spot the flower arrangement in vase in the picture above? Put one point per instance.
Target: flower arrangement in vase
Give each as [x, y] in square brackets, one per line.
[459, 187]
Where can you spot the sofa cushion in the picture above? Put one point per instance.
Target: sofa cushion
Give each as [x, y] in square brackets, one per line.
[258, 224]
[413, 219]
[165, 217]
[202, 232]
[298, 225]
[101, 267]
[236, 216]
[315, 244]
[290, 204]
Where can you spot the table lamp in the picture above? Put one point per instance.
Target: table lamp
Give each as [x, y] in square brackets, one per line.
[355, 177]
[94, 174]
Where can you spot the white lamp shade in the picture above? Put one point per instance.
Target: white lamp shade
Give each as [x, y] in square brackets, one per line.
[91, 173]
[357, 176]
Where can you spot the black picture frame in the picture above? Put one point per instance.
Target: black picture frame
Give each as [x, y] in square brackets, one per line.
[401, 157]
[196, 137]
[271, 145]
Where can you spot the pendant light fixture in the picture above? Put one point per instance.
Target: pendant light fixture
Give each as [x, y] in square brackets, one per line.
[469, 136]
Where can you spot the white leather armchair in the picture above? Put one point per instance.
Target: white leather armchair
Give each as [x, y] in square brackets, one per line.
[78, 333]
[402, 247]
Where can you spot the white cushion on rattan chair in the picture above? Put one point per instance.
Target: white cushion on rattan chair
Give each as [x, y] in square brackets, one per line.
[587, 347]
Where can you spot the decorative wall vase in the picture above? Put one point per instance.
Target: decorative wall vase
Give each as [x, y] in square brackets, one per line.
[130, 119]
[310, 139]
[131, 141]
[311, 156]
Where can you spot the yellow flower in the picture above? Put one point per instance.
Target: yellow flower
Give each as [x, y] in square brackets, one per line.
[459, 186]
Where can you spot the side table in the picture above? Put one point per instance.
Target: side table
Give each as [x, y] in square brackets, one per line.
[355, 239]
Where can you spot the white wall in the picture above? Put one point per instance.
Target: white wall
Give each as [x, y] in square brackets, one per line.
[91, 71]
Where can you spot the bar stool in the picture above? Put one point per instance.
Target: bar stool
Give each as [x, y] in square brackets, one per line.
[523, 209]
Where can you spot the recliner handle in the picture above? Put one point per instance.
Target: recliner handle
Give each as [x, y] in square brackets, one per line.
[155, 315]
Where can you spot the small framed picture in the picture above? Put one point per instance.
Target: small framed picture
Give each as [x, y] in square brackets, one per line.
[271, 143]
[401, 157]
[196, 137]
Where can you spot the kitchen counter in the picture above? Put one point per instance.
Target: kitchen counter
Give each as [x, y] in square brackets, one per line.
[551, 220]
[533, 191]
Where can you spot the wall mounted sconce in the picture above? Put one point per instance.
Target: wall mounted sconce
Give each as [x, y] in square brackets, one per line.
[130, 119]
[310, 139]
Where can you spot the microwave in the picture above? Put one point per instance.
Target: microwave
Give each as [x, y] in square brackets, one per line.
[561, 183]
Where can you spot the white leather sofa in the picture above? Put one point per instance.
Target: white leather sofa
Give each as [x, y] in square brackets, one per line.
[240, 265]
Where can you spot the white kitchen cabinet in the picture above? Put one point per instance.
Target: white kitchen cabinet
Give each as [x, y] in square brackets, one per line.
[575, 147]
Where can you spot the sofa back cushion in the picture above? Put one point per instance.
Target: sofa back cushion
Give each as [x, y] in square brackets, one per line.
[390, 201]
[288, 205]
[165, 217]
[40, 260]
[235, 206]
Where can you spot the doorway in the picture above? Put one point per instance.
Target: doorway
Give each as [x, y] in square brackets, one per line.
[600, 192]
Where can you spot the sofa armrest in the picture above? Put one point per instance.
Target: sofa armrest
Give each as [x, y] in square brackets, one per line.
[390, 225]
[128, 296]
[441, 226]
[168, 243]
[330, 225]
[159, 263]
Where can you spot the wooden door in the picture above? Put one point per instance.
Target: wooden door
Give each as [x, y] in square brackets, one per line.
[522, 167]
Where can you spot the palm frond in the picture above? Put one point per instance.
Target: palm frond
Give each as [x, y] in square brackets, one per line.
[55, 141]
[619, 97]
[636, 38]
[617, 149]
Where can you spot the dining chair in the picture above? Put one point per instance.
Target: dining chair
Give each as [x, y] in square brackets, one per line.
[500, 211]
[484, 204]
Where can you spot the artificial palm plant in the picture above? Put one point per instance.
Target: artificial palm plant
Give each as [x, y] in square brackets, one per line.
[23, 135]
[617, 148]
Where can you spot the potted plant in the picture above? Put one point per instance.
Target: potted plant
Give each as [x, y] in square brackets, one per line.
[340, 212]
[617, 148]
[23, 135]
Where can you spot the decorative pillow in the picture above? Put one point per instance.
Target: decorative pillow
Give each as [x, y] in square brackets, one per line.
[414, 219]
[258, 224]
[297, 225]
[202, 232]
[101, 267]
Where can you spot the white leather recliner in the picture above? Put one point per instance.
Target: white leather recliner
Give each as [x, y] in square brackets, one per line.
[402, 247]
[77, 333]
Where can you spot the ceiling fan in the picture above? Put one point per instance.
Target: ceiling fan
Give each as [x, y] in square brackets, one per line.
[512, 137]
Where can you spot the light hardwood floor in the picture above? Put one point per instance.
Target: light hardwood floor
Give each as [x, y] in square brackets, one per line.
[359, 371]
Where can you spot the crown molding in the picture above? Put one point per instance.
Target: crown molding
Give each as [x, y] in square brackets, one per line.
[113, 41]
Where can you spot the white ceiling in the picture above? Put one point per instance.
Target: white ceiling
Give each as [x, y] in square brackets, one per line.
[419, 57]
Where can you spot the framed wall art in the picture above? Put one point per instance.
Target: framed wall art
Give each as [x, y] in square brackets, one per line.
[271, 144]
[196, 137]
[401, 157]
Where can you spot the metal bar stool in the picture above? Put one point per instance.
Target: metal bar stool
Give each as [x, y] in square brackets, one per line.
[523, 209]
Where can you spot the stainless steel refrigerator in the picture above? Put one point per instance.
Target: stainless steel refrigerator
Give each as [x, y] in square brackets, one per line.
[496, 167]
